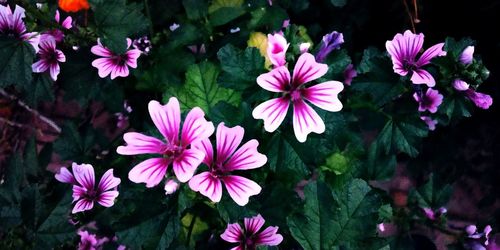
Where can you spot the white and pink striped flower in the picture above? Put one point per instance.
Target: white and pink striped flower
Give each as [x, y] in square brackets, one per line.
[173, 150]
[250, 237]
[293, 89]
[85, 193]
[12, 25]
[226, 160]
[50, 57]
[57, 34]
[276, 49]
[111, 63]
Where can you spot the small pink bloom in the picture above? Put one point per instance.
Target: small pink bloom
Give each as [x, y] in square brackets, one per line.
[87, 241]
[250, 237]
[226, 160]
[305, 119]
[110, 63]
[84, 191]
[481, 100]
[428, 101]
[467, 55]
[386, 229]
[349, 74]
[171, 186]
[286, 23]
[404, 49]
[197, 49]
[304, 47]
[50, 57]
[276, 49]
[433, 215]
[460, 85]
[173, 150]
[431, 123]
[122, 117]
[12, 25]
[58, 35]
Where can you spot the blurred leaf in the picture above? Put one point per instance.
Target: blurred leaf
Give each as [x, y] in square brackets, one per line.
[71, 145]
[229, 114]
[379, 166]
[195, 9]
[13, 180]
[402, 135]
[337, 163]
[433, 194]
[270, 17]
[224, 11]
[284, 160]
[55, 229]
[16, 58]
[338, 3]
[39, 90]
[240, 68]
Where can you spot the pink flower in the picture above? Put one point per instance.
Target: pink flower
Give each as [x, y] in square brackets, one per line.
[404, 50]
[460, 85]
[349, 74]
[90, 241]
[175, 151]
[171, 186]
[305, 119]
[467, 55]
[431, 123]
[116, 65]
[50, 57]
[12, 25]
[304, 47]
[58, 35]
[481, 100]
[250, 237]
[434, 215]
[428, 101]
[276, 49]
[84, 191]
[226, 160]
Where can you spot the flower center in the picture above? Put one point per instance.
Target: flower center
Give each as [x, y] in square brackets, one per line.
[120, 60]
[172, 152]
[409, 65]
[91, 194]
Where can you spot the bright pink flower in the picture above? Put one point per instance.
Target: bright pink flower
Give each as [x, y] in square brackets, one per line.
[404, 50]
[111, 63]
[467, 55]
[87, 241]
[481, 100]
[50, 57]
[276, 49]
[57, 34]
[431, 123]
[305, 119]
[12, 25]
[226, 160]
[84, 191]
[250, 237]
[175, 151]
[430, 100]
[349, 74]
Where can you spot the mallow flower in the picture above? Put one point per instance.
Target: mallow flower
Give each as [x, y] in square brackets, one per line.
[57, 34]
[404, 49]
[227, 159]
[50, 57]
[251, 235]
[12, 25]
[276, 49]
[430, 100]
[114, 64]
[481, 100]
[85, 193]
[172, 150]
[293, 90]
[329, 43]
[431, 123]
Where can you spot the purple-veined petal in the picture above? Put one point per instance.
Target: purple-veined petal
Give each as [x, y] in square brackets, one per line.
[47, 43]
[276, 49]
[138, 143]
[275, 80]
[104, 66]
[185, 164]
[54, 71]
[305, 120]
[273, 112]
[60, 56]
[228, 139]
[100, 50]
[119, 71]
[325, 95]
[208, 185]
[269, 237]
[233, 233]
[460, 85]
[82, 205]
[307, 69]
[132, 56]
[166, 118]
[434, 51]
[41, 66]
[240, 188]
[467, 55]
[254, 224]
[78, 192]
[108, 181]
[67, 23]
[150, 171]
[107, 199]
[421, 76]
[65, 176]
[246, 157]
[84, 174]
[404, 47]
[206, 146]
[196, 127]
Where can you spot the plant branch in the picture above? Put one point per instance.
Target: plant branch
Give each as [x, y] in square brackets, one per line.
[410, 15]
[190, 230]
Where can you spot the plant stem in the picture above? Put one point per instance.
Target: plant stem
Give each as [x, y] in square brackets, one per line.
[409, 15]
[190, 230]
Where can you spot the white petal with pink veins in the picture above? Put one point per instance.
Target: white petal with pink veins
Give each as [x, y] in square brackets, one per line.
[240, 188]
[150, 171]
[196, 127]
[185, 165]
[246, 157]
[228, 139]
[306, 120]
[421, 76]
[276, 80]
[307, 69]
[207, 185]
[107, 199]
[108, 181]
[325, 95]
[273, 112]
[166, 118]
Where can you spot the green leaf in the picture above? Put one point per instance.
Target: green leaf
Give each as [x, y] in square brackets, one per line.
[379, 166]
[337, 163]
[115, 21]
[39, 90]
[402, 135]
[31, 158]
[338, 3]
[270, 17]
[224, 11]
[240, 68]
[434, 193]
[16, 58]
[284, 160]
[455, 106]
[55, 228]
[13, 181]
[195, 9]
[201, 89]
[71, 145]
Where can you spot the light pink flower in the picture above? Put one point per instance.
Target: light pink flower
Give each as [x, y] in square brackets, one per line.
[460, 85]
[171, 186]
[276, 49]
[173, 150]
[434, 214]
[57, 34]
[467, 55]
[430, 100]
[111, 63]
[431, 123]
[349, 74]
[226, 160]
[84, 191]
[250, 237]
[404, 49]
[50, 57]
[87, 241]
[481, 100]
[293, 89]
[12, 25]
[304, 47]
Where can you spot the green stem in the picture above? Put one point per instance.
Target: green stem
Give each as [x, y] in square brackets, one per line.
[190, 230]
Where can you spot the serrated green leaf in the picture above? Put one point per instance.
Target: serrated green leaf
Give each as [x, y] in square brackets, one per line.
[240, 68]
[455, 106]
[39, 90]
[55, 229]
[379, 166]
[402, 135]
[433, 193]
[195, 9]
[16, 58]
[224, 11]
[71, 145]
[284, 160]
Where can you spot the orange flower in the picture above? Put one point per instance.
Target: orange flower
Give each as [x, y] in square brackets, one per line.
[73, 5]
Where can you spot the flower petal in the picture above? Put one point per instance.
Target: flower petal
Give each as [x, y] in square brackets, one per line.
[306, 120]
[78, 192]
[254, 224]
[269, 237]
[67, 23]
[404, 47]
[233, 233]
[460, 85]
[247, 157]
[185, 165]
[108, 181]
[166, 118]
[104, 66]
[150, 171]
[82, 205]
[84, 174]
[421, 76]
[119, 71]
[206, 146]
[273, 112]
[275, 80]
[100, 50]
[307, 69]
[208, 185]
[467, 55]
[132, 56]
[276, 49]
[228, 139]
[41, 66]
[65, 176]
[240, 188]
[107, 199]
[54, 71]
[434, 51]
[196, 127]
[325, 95]
[138, 143]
